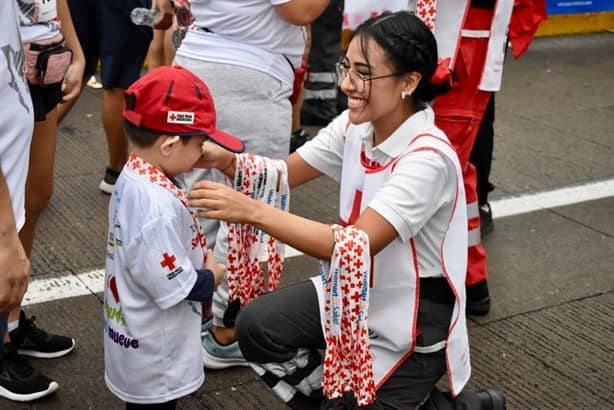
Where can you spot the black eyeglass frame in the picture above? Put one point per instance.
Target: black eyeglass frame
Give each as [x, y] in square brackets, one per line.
[343, 70]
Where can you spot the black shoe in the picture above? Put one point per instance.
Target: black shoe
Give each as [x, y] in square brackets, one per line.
[298, 138]
[345, 402]
[108, 182]
[491, 399]
[478, 299]
[33, 341]
[486, 223]
[19, 381]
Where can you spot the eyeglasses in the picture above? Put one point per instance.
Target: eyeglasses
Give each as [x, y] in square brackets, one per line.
[358, 80]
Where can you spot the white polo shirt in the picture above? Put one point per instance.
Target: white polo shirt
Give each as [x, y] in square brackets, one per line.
[417, 198]
[17, 115]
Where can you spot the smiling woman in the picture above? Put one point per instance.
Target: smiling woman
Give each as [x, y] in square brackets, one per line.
[387, 306]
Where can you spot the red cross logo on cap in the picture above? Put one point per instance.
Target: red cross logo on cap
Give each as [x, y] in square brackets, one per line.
[168, 261]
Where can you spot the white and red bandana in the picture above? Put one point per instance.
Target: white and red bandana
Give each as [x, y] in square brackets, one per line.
[266, 180]
[155, 176]
[348, 364]
[427, 11]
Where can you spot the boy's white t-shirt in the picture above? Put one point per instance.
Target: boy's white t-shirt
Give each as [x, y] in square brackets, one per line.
[17, 115]
[152, 347]
[250, 34]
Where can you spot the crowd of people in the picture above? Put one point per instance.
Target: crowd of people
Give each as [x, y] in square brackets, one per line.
[407, 107]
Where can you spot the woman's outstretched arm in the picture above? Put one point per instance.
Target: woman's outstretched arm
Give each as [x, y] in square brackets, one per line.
[214, 156]
[311, 237]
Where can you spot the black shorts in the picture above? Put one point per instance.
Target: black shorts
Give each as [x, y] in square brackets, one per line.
[44, 99]
[4, 318]
[106, 33]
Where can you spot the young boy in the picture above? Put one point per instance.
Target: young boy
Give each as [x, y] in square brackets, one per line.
[157, 267]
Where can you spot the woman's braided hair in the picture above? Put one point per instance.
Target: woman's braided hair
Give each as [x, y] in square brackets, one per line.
[409, 45]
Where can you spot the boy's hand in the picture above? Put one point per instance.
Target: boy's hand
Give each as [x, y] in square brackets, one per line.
[218, 269]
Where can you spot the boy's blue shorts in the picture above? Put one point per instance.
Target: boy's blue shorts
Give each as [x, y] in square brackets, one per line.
[106, 33]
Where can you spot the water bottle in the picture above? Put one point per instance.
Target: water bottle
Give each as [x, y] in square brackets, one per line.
[183, 12]
[144, 17]
[177, 38]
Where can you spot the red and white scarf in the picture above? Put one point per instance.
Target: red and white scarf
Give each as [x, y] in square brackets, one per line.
[427, 11]
[348, 363]
[155, 176]
[266, 180]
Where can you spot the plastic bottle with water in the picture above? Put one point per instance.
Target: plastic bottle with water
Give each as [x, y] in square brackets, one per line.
[147, 17]
[144, 17]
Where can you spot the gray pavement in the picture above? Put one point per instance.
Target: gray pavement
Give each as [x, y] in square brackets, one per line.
[549, 340]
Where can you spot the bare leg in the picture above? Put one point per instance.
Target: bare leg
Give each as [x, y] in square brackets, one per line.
[39, 185]
[112, 105]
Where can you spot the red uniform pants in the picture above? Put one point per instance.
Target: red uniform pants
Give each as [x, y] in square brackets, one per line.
[459, 114]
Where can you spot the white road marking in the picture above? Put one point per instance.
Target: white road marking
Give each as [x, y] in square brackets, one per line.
[552, 199]
[59, 287]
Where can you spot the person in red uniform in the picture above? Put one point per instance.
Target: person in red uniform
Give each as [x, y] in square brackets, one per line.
[476, 52]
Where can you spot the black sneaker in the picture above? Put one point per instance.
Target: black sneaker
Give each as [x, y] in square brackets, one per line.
[108, 182]
[346, 402]
[486, 223]
[298, 138]
[19, 381]
[491, 399]
[33, 341]
[478, 299]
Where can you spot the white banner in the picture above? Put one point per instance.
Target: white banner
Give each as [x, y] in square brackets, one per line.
[357, 11]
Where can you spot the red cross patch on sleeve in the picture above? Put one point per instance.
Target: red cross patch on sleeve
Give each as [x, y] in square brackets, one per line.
[168, 261]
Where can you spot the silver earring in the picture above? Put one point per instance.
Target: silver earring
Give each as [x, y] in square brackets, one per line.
[405, 94]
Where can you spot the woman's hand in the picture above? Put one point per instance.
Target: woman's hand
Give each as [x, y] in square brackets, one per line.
[218, 201]
[71, 85]
[165, 18]
[214, 156]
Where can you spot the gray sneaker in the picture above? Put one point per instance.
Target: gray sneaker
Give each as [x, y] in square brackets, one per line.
[217, 356]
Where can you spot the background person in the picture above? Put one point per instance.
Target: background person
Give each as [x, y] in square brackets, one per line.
[247, 56]
[46, 25]
[16, 126]
[107, 34]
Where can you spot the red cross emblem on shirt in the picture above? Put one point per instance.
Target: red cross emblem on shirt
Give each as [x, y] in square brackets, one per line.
[172, 117]
[168, 261]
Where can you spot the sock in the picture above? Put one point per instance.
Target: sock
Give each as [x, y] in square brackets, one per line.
[13, 325]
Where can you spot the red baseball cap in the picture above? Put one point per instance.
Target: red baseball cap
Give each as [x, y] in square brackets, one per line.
[173, 101]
